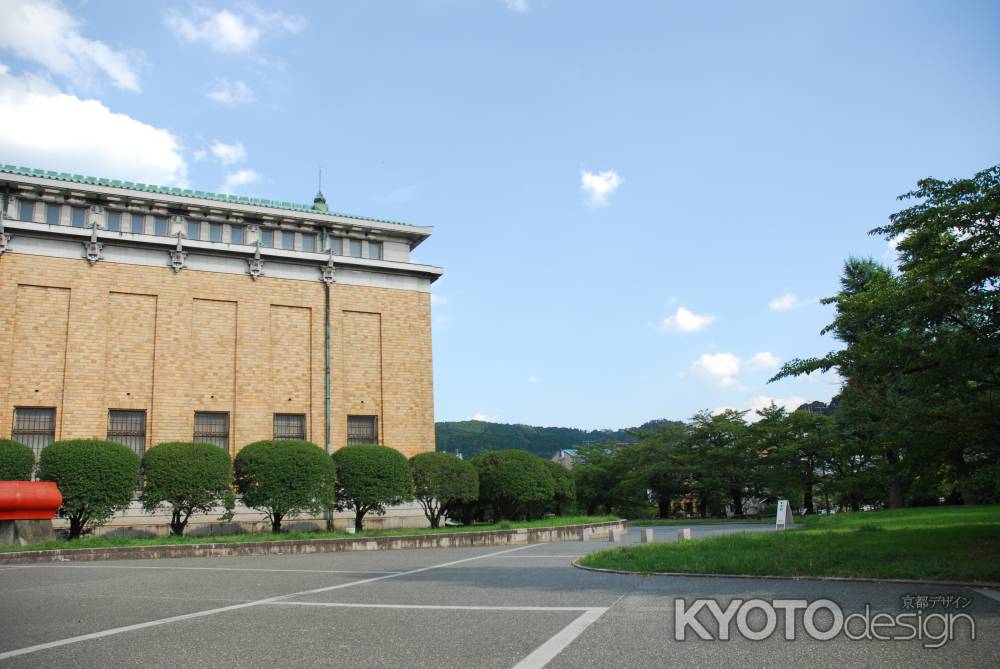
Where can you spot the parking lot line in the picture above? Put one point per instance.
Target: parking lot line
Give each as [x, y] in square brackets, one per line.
[235, 607]
[555, 645]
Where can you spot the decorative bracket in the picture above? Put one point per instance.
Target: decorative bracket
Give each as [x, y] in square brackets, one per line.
[256, 264]
[178, 255]
[93, 249]
[328, 271]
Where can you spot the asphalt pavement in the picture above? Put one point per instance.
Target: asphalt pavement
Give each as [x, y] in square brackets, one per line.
[521, 606]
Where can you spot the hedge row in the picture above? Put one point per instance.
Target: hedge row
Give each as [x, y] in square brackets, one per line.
[286, 477]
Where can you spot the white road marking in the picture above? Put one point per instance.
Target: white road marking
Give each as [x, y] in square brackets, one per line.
[992, 594]
[542, 655]
[441, 607]
[521, 557]
[235, 607]
[294, 571]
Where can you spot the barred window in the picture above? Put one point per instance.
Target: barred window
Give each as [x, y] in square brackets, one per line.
[27, 210]
[114, 221]
[78, 216]
[289, 426]
[34, 427]
[138, 223]
[160, 225]
[375, 250]
[194, 230]
[267, 238]
[337, 245]
[362, 430]
[288, 240]
[129, 428]
[309, 243]
[355, 248]
[212, 427]
[52, 212]
[215, 232]
[236, 234]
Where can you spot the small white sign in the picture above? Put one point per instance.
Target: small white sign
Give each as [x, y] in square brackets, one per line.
[784, 518]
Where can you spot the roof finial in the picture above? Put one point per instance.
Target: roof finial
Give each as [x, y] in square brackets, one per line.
[319, 202]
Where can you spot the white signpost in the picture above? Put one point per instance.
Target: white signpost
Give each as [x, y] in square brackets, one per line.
[784, 515]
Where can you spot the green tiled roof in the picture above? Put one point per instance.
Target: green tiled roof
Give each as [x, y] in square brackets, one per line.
[183, 192]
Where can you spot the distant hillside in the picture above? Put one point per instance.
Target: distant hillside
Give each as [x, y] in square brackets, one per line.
[469, 437]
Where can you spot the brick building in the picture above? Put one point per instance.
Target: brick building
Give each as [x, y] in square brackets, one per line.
[147, 314]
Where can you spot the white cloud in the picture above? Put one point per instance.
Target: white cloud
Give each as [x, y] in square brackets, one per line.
[483, 417]
[44, 127]
[230, 93]
[534, 380]
[228, 154]
[762, 360]
[685, 320]
[722, 368]
[236, 180]
[785, 302]
[519, 6]
[599, 186]
[725, 368]
[759, 402]
[199, 154]
[227, 31]
[44, 32]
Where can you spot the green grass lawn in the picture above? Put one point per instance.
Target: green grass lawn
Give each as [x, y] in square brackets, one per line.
[943, 543]
[108, 542]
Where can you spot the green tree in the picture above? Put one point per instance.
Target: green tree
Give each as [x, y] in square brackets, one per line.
[96, 479]
[190, 477]
[722, 461]
[442, 482]
[514, 483]
[370, 478]
[284, 477]
[16, 461]
[564, 495]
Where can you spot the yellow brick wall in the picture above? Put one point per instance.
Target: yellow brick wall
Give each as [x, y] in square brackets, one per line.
[89, 338]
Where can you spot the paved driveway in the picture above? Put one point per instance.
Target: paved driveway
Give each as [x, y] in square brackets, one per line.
[524, 606]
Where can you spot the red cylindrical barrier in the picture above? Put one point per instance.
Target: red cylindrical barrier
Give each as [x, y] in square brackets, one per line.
[29, 500]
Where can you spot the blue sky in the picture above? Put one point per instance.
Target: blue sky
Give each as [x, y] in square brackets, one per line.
[637, 205]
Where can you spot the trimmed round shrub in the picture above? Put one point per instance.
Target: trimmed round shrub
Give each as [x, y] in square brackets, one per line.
[16, 461]
[283, 477]
[370, 478]
[441, 482]
[516, 484]
[564, 497]
[190, 477]
[96, 479]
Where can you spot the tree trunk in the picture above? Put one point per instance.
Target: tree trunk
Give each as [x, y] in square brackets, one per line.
[895, 483]
[176, 524]
[435, 519]
[75, 527]
[807, 485]
[663, 507]
[276, 523]
[359, 520]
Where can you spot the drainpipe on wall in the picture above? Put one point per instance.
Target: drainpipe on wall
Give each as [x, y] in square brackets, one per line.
[328, 279]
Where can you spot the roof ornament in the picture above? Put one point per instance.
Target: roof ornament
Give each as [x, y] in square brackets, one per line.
[93, 249]
[328, 272]
[178, 255]
[4, 236]
[319, 202]
[256, 263]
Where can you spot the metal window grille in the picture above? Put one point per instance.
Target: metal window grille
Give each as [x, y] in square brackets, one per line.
[194, 230]
[52, 212]
[267, 238]
[34, 427]
[375, 250]
[160, 226]
[362, 430]
[236, 234]
[288, 240]
[355, 248]
[309, 243]
[212, 427]
[337, 245]
[128, 428]
[215, 232]
[289, 426]
[114, 221]
[138, 223]
[78, 216]
[27, 210]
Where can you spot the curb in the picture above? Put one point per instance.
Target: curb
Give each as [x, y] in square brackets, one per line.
[769, 577]
[525, 535]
